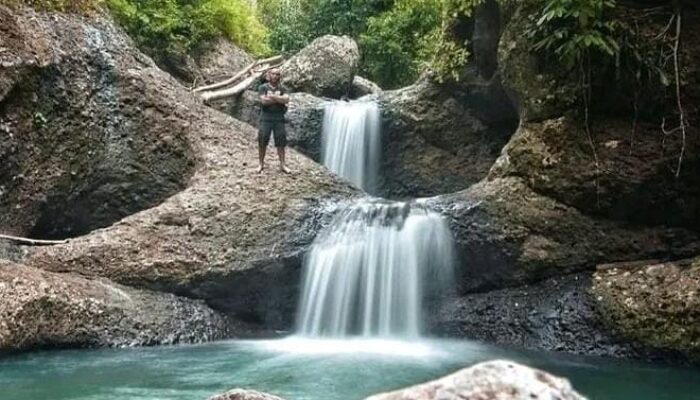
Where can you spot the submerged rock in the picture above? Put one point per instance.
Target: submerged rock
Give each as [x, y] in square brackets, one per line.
[656, 305]
[45, 309]
[502, 380]
[324, 68]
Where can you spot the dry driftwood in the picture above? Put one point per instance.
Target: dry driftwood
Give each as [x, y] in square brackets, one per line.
[31, 241]
[238, 88]
[269, 61]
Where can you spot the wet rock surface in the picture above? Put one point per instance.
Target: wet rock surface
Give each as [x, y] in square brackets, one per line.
[45, 309]
[503, 380]
[80, 146]
[558, 314]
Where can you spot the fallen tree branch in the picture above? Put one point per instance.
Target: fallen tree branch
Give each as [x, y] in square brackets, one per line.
[239, 88]
[31, 241]
[239, 75]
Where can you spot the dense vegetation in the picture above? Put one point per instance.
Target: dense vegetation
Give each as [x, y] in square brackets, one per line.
[171, 27]
[175, 26]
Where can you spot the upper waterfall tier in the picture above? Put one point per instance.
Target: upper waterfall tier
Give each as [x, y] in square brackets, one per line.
[351, 142]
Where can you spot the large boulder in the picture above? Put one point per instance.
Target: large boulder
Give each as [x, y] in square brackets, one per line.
[652, 304]
[81, 147]
[438, 139]
[324, 68]
[502, 380]
[221, 232]
[45, 309]
[624, 168]
[221, 59]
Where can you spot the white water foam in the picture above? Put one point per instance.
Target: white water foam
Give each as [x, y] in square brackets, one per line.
[351, 141]
[368, 273]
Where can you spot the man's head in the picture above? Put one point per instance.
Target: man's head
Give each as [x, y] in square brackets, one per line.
[273, 75]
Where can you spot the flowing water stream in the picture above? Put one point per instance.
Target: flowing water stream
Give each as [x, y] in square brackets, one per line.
[351, 141]
[367, 274]
[365, 286]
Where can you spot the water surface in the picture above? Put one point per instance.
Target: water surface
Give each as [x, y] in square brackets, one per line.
[300, 369]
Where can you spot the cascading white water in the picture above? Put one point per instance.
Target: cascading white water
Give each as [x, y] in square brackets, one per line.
[351, 141]
[369, 271]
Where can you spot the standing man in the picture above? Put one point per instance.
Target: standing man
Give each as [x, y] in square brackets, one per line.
[274, 99]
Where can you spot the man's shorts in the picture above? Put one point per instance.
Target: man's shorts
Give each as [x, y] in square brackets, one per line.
[275, 127]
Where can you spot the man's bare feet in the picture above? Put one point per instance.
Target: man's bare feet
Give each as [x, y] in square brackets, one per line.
[261, 169]
[284, 169]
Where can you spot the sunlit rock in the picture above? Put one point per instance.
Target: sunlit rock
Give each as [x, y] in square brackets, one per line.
[502, 380]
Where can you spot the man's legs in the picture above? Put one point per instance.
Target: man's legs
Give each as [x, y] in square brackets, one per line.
[263, 140]
[261, 156]
[280, 144]
[281, 155]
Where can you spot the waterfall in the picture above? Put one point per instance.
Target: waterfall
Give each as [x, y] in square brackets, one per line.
[351, 141]
[369, 271]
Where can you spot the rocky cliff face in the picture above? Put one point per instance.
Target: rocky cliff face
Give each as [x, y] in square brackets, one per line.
[546, 209]
[94, 132]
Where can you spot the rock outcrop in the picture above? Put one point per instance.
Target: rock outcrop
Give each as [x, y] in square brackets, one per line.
[509, 235]
[80, 146]
[324, 68]
[220, 232]
[45, 309]
[220, 60]
[362, 87]
[503, 380]
[212, 61]
[241, 394]
[654, 305]
[438, 139]
[634, 177]
[557, 314]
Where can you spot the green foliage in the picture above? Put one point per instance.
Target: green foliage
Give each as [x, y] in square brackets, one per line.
[288, 23]
[448, 54]
[345, 17]
[575, 29]
[163, 27]
[73, 6]
[397, 43]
